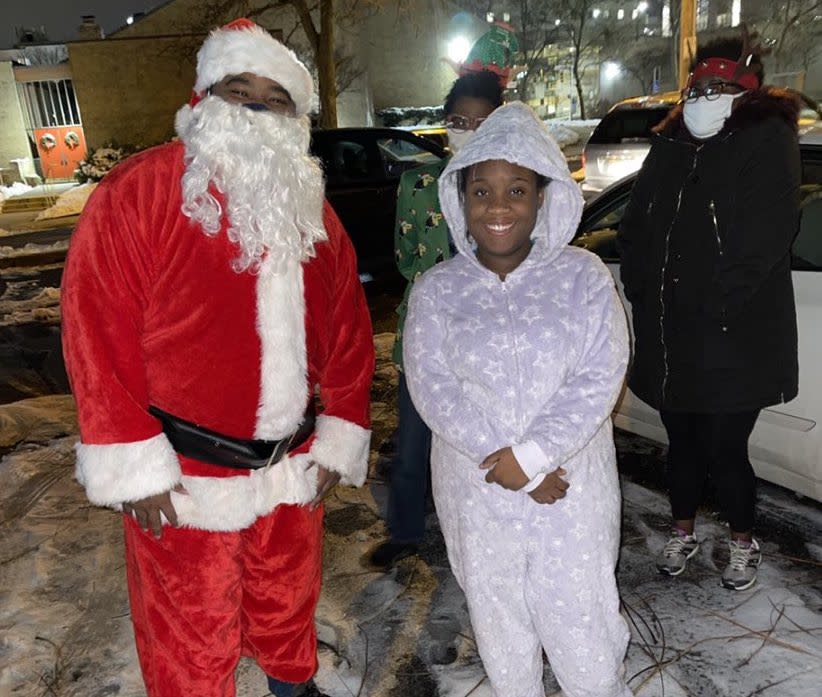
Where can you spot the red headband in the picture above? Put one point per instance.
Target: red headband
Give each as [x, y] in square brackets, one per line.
[727, 70]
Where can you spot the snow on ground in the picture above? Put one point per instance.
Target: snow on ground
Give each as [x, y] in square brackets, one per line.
[44, 307]
[70, 202]
[14, 189]
[33, 248]
[65, 616]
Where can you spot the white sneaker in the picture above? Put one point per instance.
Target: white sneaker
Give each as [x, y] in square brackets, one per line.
[740, 574]
[675, 555]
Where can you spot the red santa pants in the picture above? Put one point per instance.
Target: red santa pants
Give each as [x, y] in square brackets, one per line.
[200, 599]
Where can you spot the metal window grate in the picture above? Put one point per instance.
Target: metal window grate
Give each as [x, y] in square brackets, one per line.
[49, 103]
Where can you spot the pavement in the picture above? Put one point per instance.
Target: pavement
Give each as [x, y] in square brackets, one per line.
[406, 633]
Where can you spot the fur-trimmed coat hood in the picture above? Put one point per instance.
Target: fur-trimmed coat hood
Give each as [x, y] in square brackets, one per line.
[752, 108]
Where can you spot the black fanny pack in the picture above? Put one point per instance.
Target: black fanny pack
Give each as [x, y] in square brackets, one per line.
[215, 448]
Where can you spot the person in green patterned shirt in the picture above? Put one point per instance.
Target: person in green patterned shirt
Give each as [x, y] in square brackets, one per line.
[421, 240]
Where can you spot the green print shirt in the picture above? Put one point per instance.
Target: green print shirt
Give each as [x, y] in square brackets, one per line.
[420, 234]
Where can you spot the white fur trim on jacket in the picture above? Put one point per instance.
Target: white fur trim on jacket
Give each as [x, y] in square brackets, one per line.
[112, 474]
[253, 50]
[232, 503]
[342, 446]
[283, 363]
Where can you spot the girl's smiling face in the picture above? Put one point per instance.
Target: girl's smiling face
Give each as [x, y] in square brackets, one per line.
[501, 205]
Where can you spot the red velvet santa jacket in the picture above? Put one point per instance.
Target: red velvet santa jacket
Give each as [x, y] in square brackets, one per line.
[153, 313]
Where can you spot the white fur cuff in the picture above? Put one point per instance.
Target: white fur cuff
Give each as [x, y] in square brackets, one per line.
[342, 446]
[122, 472]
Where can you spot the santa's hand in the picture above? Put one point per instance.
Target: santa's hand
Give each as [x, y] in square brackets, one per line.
[503, 469]
[147, 512]
[552, 488]
[326, 481]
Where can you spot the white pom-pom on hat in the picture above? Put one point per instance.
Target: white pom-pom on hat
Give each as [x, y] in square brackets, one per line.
[245, 47]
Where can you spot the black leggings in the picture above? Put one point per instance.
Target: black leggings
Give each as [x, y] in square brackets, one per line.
[715, 445]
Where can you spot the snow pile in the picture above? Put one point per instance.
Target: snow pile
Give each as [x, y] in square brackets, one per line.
[16, 189]
[404, 117]
[33, 248]
[70, 202]
[578, 123]
[562, 134]
[43, 308]
[37, 420]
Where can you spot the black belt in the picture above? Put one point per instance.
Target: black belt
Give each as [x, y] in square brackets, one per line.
[215, 448]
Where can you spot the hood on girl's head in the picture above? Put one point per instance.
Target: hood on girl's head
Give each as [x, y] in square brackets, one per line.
[513, 132]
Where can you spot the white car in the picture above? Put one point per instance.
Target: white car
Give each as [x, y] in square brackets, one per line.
[786, 444]
[621, 141]
[619, 144]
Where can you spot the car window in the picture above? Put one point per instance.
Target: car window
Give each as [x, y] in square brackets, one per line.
[807, 247]
[628, 126]
[438, 137]
[598, 234]
[347, 161]
[399, 155]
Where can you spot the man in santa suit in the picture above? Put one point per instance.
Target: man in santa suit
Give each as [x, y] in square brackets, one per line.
[208, 279]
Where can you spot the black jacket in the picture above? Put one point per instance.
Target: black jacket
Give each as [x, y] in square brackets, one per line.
[705, 248]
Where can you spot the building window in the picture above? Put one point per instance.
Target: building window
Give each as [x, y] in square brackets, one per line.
[736, 11]
[702, 14]
[49, 103]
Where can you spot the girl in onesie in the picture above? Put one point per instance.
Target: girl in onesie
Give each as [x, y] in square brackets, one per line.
[515, 353]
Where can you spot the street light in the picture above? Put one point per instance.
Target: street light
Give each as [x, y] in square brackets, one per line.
[458, 49]
[611, 71]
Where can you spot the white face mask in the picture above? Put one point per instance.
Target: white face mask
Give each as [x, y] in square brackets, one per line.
[705, 118]
[457, 139]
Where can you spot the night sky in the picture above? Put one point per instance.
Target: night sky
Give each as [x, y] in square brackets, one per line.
[62, 17]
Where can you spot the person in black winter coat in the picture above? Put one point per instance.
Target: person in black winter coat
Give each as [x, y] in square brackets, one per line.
[705, 247]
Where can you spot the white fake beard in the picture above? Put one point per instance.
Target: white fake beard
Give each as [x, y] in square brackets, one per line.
[273, 187]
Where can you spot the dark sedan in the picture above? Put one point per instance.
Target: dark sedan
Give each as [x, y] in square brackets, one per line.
[363, 168]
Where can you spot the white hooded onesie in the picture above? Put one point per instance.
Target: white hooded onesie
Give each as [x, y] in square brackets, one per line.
[536, 362]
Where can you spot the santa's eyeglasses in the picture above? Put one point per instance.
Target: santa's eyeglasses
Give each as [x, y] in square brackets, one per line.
[460, 124]
[711, 91]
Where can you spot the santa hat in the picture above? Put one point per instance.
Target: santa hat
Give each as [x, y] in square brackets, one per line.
[245, 47]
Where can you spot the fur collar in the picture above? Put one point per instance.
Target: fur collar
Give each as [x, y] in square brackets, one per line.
[754, 107]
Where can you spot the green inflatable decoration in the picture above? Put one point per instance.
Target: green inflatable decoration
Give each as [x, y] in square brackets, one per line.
[493, 51]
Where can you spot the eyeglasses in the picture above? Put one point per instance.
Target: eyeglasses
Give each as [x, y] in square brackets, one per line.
[460, 124]
[711, 91]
